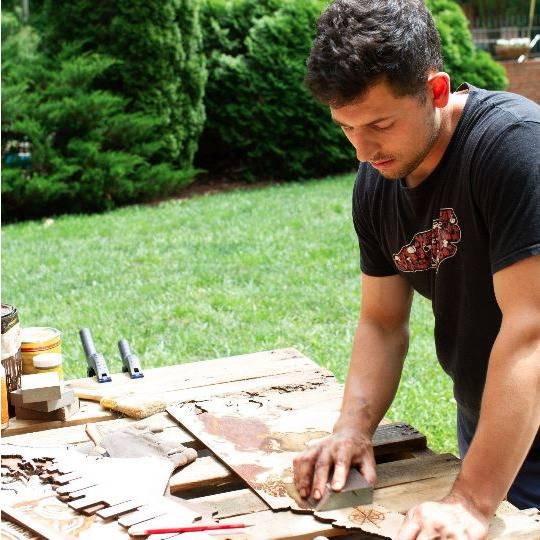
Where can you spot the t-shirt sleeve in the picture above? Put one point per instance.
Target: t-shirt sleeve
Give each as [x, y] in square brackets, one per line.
[508, 194]
[373, 261]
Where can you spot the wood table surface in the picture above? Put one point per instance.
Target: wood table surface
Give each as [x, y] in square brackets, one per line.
[408, 471]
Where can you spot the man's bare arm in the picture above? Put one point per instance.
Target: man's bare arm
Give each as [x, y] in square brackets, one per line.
[510, 412]
[379, 349]
[509, 416]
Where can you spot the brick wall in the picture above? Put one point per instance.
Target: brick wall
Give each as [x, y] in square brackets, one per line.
[524, 78]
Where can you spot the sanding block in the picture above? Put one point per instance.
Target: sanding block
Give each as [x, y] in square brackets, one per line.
[355, 492]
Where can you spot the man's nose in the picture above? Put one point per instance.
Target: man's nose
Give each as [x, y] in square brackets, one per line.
[365, 147]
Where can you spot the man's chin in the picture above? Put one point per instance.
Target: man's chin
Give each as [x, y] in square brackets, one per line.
[388, 175]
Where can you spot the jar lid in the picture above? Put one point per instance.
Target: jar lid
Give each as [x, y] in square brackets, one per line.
[47, 360]
[38, 334]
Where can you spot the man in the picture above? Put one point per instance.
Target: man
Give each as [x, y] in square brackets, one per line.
[446, 203]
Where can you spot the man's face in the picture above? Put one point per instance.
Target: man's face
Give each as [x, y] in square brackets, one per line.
[392, 133]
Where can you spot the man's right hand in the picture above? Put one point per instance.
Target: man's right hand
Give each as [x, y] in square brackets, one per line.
[340, 451]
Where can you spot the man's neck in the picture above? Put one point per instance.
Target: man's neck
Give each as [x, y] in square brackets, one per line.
[450, 116]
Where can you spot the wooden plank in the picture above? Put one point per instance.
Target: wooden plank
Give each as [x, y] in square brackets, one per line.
[282, 386]
[196, 374]
[288, 525]
[88, 412]
[245, 501]
[204, 471]
[210, 471]
[397, 437]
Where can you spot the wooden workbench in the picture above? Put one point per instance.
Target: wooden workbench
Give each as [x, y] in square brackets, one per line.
[291, 381]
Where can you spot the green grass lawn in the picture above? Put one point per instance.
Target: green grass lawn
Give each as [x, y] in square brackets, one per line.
[214, 276]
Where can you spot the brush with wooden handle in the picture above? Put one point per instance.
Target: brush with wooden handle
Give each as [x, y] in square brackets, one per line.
[95, 436]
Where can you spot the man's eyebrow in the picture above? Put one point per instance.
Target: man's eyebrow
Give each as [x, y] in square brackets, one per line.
[376, 121]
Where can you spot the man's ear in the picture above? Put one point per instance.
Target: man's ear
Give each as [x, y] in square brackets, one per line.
[438, 86]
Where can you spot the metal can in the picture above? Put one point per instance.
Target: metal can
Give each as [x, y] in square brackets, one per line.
[5, 411]
[38, 340]
[11, 346]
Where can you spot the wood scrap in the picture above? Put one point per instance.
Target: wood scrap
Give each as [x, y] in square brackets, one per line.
[68, 397]
[40, 387]
[61, 414]
[197, 374]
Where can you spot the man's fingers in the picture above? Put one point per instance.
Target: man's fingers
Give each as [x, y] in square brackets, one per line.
[368, 468]
[303, 466]
[342, 465]
[322, 468]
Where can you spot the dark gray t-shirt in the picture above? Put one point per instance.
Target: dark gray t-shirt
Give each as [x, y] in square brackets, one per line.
[478, 212]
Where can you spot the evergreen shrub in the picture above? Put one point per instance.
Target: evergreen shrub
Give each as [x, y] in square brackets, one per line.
[87, 152]
[110, 97]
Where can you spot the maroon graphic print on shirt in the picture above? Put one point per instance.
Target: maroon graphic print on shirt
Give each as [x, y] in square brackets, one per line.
[428, 249]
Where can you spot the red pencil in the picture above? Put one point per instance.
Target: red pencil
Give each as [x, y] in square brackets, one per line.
[196, 528]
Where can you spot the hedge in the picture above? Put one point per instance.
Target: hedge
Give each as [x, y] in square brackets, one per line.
[111, 101]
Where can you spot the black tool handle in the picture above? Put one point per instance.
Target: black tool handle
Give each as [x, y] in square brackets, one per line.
[87, 342]
[96, 363]
[130, 361]
[124, 348]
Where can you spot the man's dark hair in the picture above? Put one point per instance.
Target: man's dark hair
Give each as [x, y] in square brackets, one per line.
[362, 42]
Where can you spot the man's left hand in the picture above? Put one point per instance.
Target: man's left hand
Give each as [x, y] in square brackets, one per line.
[454, 517]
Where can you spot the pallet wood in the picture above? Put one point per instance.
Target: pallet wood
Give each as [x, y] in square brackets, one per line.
[60, 522]
[244, 501]
[283, 385]
[196, 374]
[88, 412]
[210, 471]
[286, 525]
[320, 393]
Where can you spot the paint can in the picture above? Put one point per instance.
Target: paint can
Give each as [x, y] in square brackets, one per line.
[37, 340]
[46, 362]
[11, 346]
[5, 411]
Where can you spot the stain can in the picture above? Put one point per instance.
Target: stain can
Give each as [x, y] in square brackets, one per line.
[5, 411]
[11, 346]
[37, 340]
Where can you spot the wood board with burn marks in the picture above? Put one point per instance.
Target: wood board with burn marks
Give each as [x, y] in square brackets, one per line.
[257, 440]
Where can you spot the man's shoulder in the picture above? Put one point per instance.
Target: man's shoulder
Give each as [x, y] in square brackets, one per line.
[493, 112]
[496, 123]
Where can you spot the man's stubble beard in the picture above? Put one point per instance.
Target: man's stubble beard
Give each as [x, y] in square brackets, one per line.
[408, 168]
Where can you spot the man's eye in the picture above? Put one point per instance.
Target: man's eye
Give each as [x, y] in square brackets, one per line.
[346, 128]
[381, 127]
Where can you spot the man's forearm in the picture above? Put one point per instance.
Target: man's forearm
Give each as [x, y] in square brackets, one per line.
[376, 364]
[509, 419]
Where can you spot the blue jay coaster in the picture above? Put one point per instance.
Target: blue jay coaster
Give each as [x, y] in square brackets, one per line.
[355, 492]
